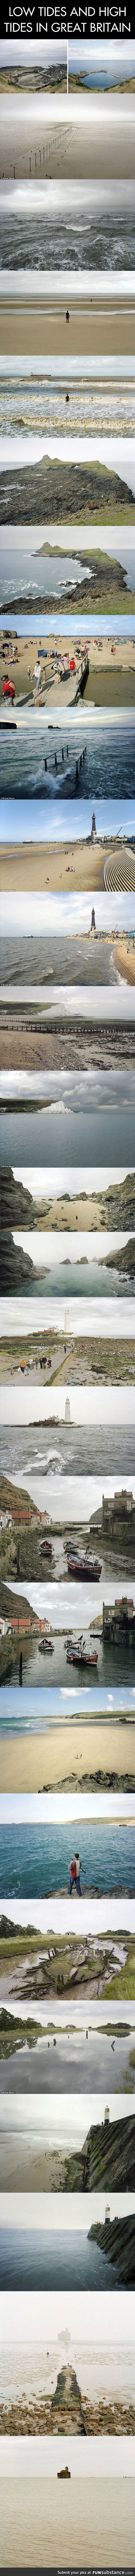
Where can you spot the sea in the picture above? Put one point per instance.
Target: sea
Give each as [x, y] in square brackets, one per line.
[30, 2259]
[88, 1119]
[92, 2525]
[32, 407]
[65, 961]
[42, 1452]
[91, 1280]
[29, 579]
[37, 1857]
[101, 752]
[84, 2064]
[32, 241]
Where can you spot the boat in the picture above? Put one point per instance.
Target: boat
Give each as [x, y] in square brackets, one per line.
[45, 1646]
[87, 1568]
[46, 1548]
[80, 1655]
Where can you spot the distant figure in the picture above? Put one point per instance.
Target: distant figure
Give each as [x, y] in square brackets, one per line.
[67, 315]
[59, 2471]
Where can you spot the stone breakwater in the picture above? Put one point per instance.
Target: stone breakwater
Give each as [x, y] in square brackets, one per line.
[35, 2416]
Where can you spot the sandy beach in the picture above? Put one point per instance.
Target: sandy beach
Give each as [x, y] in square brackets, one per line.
[31, 862]
[110, 670]
[95, 329]
[68, 1757]
[89, 136]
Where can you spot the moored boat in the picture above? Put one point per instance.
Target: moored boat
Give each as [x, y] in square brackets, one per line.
[80, 1655]
[87, 1568]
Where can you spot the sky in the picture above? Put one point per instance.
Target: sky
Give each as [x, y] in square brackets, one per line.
[61, 2213]
[109, 1002]
[92, 2459]
[40, 1182]
[110, 1316]
[47, 1255]
[117, 453]
[59, 1703]
[65, 2016]
[58, 1602]
[63, 915]
[43, 821]
[87, 55]
[87, 1404]
[52, 2313]
[99, 1916]
[25, 1810]
[31, 626]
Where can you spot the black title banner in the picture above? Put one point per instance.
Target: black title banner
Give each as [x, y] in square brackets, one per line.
[57, 18]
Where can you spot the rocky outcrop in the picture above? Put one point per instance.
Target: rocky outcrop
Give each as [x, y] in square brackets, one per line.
[70, 493]
[117, 2241]
[107, 2153]
[67, 2403]
[15, 1265]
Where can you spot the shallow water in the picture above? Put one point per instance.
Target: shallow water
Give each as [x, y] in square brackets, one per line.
[53, 2261]
[107, 753]
[112, 1668]
[39, 408]
[37, 1857]
[95, 1280]
[87, 2065]
[93, 2525]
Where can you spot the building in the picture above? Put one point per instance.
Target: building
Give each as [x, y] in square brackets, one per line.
[5, 1520]
[118, 1507]
[119, 1619]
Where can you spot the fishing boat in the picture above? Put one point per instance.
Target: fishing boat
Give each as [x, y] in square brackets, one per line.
[80, 1654]
[45, 1548]
[86, 1567]
[45, 1646]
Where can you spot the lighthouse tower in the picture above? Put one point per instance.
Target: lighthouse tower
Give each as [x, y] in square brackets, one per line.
[93, 832]
[67, 1410]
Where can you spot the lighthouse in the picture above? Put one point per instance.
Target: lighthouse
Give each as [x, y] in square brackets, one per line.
[93, 924]
[67, 1410]
[93, 832]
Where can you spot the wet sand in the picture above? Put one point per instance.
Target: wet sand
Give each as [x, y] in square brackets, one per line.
[76, 1045]
[94, 330]
[67, 1756]
[31, 862]
[95, 2521]
[92, 136]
